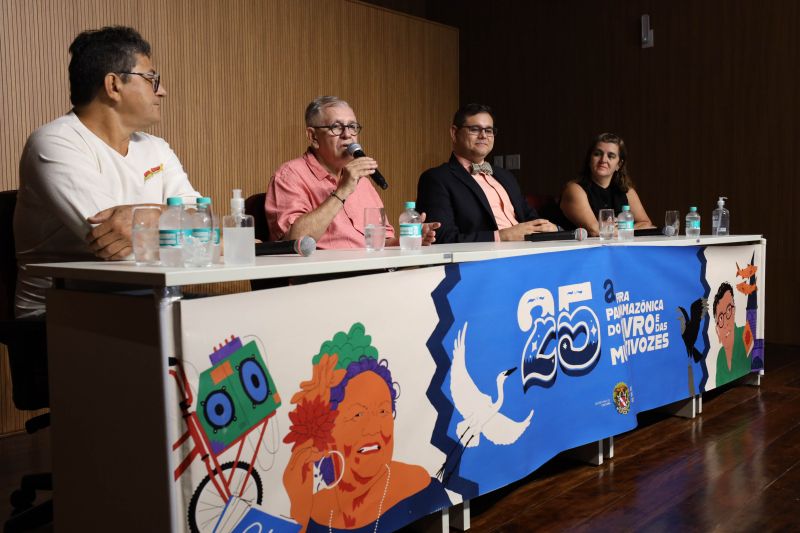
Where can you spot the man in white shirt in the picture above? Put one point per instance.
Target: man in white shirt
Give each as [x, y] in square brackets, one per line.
[81, 174]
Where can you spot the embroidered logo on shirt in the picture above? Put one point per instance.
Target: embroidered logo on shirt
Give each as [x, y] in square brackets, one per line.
[153, 171]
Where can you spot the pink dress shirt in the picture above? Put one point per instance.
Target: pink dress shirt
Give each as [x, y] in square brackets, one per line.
[498, 198]
[301, 185]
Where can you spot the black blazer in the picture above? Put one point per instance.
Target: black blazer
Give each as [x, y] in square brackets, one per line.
[448, 194]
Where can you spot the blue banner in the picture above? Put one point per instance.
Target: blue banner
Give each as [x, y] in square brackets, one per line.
[540, 354]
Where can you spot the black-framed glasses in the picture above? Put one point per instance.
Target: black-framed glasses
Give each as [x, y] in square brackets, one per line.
[337, 128]
[476, 130]
[726, 315]
[153, 77]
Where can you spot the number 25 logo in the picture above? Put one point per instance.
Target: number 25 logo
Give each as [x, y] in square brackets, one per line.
[573, 338]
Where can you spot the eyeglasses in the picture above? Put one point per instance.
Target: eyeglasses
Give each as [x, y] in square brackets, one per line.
[722, 317]
[337, 128]
[476, 130]
[153, 77]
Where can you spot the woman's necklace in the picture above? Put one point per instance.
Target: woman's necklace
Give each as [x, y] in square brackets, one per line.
[380, 505]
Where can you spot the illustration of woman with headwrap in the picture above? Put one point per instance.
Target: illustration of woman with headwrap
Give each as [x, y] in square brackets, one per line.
[341, 475]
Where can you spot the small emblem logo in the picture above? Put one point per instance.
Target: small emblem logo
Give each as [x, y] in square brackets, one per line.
[153, 171]
[623, 398]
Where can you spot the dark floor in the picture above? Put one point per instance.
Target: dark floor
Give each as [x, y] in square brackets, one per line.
[21, 454]
[736, 467]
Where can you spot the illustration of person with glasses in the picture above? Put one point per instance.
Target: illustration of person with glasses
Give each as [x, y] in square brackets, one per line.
[733, 359]
[322, 194]
[473, 201]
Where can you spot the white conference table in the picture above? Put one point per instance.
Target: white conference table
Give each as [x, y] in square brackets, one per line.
[341, 261]
[109, 364]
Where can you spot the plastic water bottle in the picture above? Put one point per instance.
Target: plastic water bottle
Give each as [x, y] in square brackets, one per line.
[692, 223]
[410, 228]
[216, 223]
[721, 219]
[238, 231]
[625, 224]
[199, 240]
[170, 233]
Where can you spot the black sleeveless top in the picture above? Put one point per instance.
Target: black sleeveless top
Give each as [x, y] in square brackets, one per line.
[600, 198]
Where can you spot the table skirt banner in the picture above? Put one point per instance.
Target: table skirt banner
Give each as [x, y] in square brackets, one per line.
[363, 404]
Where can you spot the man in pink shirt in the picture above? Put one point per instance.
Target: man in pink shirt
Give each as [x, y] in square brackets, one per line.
[473, 201]
[324, 192]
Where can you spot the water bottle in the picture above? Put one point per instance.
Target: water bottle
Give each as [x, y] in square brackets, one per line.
[692, 223]
[625, 224]
[216, 249]
[721, 219]
[410, 228]
[239, 233]
[170, 233]
[199, 240]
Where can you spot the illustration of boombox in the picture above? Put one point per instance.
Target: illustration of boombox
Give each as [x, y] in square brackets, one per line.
[235, 394]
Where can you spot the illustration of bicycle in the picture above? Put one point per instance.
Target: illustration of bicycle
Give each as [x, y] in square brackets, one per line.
[236, 397]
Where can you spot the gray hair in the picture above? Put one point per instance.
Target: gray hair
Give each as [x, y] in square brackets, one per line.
[315, 107]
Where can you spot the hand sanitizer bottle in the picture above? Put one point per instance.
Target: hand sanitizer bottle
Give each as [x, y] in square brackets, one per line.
[238, 234]
[721, 219]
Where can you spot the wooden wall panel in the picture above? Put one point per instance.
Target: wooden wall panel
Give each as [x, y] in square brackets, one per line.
[239, 74]
[711, 110]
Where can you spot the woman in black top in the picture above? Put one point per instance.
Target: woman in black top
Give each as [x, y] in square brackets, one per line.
[603, 184]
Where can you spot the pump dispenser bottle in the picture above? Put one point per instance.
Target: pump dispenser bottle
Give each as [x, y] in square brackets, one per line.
[721, 219]
[238, 234]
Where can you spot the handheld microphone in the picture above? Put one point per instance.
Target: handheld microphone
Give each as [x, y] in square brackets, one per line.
[304, 246]
[581, 234]
[356, 151]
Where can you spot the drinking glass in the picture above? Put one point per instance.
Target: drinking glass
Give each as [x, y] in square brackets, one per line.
[374, 228]
[144, 234]
[672, 224]
[607, 222]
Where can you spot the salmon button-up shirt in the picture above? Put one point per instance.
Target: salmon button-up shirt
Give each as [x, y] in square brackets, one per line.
[301, 185]
[497, 195]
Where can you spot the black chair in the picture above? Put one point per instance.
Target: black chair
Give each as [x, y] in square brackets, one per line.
[254, 206]
[548, 207]
[26, 341]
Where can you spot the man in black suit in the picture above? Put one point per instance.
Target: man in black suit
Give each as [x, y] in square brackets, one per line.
[473, 201]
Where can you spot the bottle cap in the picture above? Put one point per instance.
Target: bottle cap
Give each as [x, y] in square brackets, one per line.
[411, 205]
[626, 208]
[721, 200]
[174, 200]
[692, 209]
[205, 200]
